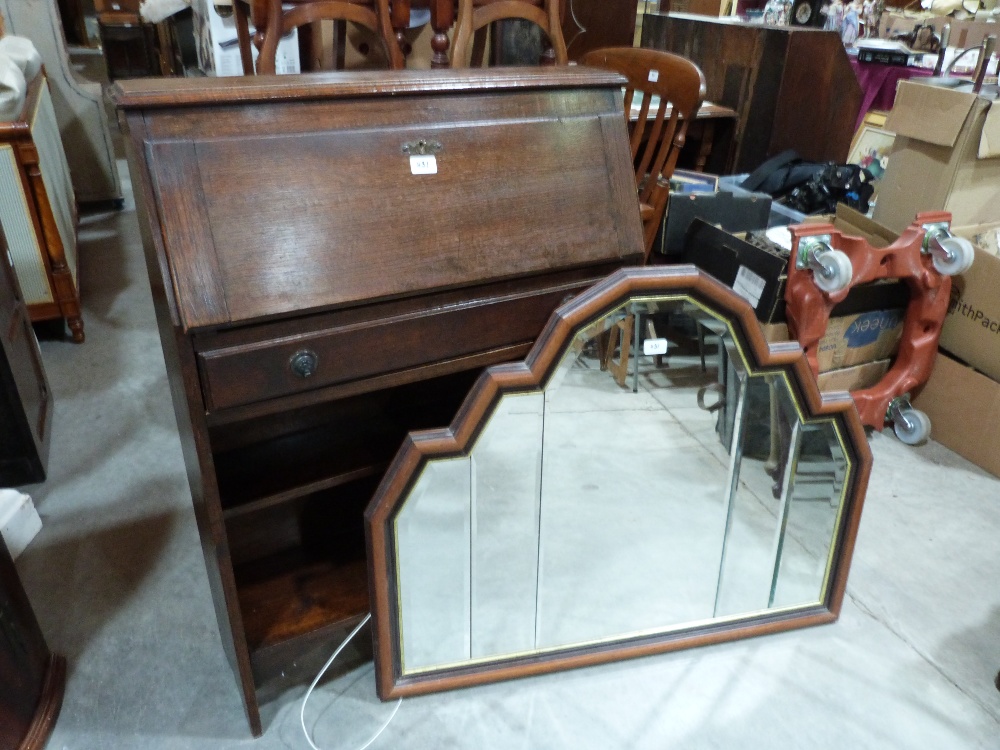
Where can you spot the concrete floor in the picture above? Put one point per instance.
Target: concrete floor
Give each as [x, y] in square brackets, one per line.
[118, 582]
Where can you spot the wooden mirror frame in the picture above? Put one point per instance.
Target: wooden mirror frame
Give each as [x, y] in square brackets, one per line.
[530, 375]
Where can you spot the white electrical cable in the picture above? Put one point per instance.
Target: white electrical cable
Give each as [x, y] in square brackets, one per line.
[336, 653]
[580, 26]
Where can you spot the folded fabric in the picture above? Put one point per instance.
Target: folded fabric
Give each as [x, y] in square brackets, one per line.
[12, 89]
[22, 51]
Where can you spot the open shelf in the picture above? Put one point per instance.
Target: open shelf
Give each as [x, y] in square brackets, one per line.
[299, 599]
[290, 466]
[267, 462]
[300, 571]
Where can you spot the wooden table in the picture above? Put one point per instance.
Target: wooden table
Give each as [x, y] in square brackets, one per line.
[710, 133]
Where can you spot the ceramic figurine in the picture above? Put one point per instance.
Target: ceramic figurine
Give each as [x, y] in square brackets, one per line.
[849, 28]
[834, 16]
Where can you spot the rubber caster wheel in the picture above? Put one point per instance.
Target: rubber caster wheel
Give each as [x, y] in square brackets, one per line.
[957, 258]
[836, 271]
[913, 427]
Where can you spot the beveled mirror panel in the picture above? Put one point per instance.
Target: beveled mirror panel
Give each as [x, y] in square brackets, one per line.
[652, 476]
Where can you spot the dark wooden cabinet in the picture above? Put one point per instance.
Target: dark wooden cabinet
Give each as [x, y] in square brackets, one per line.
[593, 24]
[25, 398]
[791, 87]
[31, 678]
[334, 260]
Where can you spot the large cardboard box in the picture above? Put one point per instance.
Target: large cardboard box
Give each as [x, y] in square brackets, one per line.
[854, 378]
[971, 329]
[983, 236]
[946, 157]
[964, 407]
[852, 339]
[218, 52]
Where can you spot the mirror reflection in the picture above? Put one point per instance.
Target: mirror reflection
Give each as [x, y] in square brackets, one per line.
[656, 482]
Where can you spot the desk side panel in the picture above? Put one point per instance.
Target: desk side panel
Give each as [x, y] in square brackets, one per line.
[190, 414]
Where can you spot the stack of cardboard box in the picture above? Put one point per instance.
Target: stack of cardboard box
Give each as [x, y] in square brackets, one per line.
[947, 157]
[962, 397]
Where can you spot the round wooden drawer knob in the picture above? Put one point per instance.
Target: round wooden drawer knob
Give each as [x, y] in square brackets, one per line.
[303, 363]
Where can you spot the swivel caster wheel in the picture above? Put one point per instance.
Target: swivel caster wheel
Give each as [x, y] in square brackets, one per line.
[832, 271]
[953, 255]
[911, 426]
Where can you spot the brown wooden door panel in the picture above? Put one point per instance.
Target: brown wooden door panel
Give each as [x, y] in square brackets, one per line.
[316, 230]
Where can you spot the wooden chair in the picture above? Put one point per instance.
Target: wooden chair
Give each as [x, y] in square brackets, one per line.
[474, 16]
[663, 95]
[271, 22]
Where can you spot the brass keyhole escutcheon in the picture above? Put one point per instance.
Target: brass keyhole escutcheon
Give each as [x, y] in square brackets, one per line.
[423, 147]
[304, 363]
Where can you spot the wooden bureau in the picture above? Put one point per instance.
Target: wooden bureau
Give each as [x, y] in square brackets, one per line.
[792, 87]
[334, 259]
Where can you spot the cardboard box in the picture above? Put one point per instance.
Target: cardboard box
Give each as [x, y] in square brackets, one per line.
[946, 157]
[733, 213]
[856, 339]
[964, 407]
[218, 52]
[852, 339]
[983, 236]
[854, 378]
[971, 329]
[856, 224]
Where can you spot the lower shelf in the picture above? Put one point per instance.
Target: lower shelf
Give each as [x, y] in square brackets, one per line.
[282, 607]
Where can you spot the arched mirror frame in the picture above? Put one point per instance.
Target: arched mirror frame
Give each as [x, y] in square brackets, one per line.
[530, 375]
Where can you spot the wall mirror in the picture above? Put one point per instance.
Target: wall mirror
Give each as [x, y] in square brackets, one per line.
[653, 476]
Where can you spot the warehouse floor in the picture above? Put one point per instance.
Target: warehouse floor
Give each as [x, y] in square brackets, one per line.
[118, 582]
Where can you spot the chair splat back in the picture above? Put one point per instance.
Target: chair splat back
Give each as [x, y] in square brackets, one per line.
[272, 20]
[474, 16]
[663, 95]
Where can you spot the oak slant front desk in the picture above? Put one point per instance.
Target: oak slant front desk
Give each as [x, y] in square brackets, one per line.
[334, 259]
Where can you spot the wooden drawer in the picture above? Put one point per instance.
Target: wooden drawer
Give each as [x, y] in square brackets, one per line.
[246, 366]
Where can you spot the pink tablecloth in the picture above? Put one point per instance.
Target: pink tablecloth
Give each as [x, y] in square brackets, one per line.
[878, 84]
